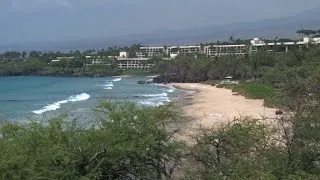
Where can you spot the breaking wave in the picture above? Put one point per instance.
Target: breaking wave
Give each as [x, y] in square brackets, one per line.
[154, 100]
[155, 95]
[57, 105]
[171, 90]
[109, 85]
[117, 79]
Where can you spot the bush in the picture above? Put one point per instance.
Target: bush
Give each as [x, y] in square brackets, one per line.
[125, 142]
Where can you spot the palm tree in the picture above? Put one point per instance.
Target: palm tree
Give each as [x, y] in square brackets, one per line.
[231, 39]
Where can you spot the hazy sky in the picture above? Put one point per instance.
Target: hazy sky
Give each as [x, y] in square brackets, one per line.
[43, 20]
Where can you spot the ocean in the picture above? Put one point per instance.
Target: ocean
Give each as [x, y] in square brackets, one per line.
[26, 98]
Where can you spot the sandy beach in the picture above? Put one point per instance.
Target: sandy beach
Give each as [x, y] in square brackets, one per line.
[210, 107]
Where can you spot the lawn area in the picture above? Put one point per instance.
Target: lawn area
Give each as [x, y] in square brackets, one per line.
[250, 90]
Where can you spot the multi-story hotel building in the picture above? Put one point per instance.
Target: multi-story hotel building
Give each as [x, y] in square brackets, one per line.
[222, 50]
[173, 51]
[134, 63]
[189, 49]
[150, 51]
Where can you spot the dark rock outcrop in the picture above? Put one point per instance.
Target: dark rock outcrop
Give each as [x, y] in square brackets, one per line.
[177, 78]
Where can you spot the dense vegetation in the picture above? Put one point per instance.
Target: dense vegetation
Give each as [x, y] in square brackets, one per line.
[262, 64]
[40, 63]
[125, 142]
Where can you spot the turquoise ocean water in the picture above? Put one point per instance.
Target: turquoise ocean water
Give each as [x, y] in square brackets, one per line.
[37, 98]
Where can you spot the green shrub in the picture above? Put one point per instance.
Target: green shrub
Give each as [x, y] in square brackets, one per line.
[126, 141]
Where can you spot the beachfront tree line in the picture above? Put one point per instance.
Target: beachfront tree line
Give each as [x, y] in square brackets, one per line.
[49, 55]
[39, 63]
[250, 66]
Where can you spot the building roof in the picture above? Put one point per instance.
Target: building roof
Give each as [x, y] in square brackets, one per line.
[189, 46]
[232, 45]
[137, 59]
[150, 47]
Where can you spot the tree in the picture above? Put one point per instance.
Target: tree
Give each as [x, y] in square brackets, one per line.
[35, 54]
[233, 151]
[11, 56]
[306, 32]
[231, 39]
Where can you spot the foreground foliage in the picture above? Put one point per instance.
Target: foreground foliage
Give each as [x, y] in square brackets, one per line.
[127, 142]
[249, 149]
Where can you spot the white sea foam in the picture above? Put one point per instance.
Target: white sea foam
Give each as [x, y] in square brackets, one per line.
[155, 95]
[153, 76]
[51, 107]
[170, 87]
[57, 105]
[79, 97]
[189, 91]
[163, 85]
[108, 88]
[117, 79]
[154, 102]
[109, 85]
[170, 90]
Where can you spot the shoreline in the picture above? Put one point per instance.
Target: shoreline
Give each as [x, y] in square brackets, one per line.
[210, 107]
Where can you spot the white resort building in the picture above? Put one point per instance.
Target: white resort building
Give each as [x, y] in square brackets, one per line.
[124, 62]
[258, 43]
[94, 60]
[222, 50]
[142, 59]
[134, 63]
[124, 54]
[189, 49]
[150, 51]
[173, 51]
[255, 45]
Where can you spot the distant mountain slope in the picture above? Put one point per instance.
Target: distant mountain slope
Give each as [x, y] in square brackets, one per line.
[282, 27]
